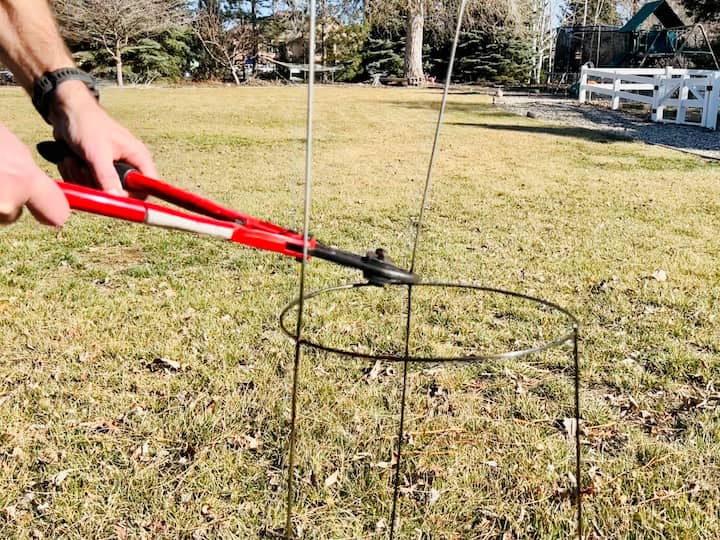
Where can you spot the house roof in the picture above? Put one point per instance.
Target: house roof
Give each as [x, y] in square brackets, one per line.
[661, 9]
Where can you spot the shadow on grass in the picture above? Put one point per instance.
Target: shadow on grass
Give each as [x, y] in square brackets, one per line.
[485, 109]
[593, 135]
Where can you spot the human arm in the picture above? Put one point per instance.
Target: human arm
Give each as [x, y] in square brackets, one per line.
[31, 45]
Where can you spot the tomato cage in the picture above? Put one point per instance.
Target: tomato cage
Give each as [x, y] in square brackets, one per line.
[457, 366]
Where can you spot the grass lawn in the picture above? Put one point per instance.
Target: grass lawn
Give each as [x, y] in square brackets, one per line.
[144, 381]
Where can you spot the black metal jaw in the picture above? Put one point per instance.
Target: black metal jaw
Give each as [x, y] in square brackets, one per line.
[376, 267]
[382, 271]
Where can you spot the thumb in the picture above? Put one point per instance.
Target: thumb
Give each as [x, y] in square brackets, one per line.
[47, 202]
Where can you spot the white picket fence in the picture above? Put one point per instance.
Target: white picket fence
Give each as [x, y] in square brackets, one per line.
[693, 94]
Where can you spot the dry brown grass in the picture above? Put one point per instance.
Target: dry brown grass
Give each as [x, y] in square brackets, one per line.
[100, 440]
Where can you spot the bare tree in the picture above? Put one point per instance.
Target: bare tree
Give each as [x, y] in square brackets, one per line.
[118, 25]
[540, 28]
[228, 47]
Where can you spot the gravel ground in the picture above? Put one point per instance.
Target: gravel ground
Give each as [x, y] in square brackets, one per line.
[695, 140]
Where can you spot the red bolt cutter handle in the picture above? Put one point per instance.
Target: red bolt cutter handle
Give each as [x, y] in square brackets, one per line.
[125, 208]
[213, 219]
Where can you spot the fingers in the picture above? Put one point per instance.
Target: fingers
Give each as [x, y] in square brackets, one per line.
[74, 170]
[13, 196]
[43, 197]
[100, 160]
[97, 168]
[140, 158]
[9, 212]
[100, 141]
[47, 203]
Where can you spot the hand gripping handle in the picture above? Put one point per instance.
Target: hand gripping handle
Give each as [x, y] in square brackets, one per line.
[56, 151]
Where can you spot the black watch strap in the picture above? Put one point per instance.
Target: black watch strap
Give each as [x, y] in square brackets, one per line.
[45, 87]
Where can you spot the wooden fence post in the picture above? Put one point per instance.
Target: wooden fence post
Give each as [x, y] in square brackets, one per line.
[582, 94]
[617, 82]
[713, 102]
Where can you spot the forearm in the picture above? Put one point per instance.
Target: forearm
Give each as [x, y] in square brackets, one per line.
[30, 43]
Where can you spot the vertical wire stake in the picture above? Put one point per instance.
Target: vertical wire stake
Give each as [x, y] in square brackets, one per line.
[578, 456]
[436, 139]
[401, 426]
[423, 205]
[306, 226]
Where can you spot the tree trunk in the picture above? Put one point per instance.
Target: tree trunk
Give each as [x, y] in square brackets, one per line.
[234, 70]
[255, 35]
[323, 51]
[414, 43]
[118, 65]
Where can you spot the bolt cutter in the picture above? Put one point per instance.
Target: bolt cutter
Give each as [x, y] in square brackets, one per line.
[203, 216]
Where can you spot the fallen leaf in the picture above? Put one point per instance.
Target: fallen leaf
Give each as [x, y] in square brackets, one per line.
[659, 275]
[376, 370]
[207, 511]
[569, 427]
[60, 477]
[434, 496]
[120, 532]
[252, 442]
[142, 453]
[332, 479]
[11, 512]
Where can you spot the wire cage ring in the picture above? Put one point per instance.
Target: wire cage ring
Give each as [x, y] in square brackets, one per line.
[566, 335]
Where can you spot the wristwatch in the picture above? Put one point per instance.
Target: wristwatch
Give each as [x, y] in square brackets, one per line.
[45, 87]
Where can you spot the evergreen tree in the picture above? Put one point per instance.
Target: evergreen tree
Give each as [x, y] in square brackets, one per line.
[384, 53]
[167, 57]
[487, 54]
[346, 47]
[703, 10]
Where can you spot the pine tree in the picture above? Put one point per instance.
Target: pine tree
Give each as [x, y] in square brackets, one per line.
[384, 53]
[494, 55]
[703, 10]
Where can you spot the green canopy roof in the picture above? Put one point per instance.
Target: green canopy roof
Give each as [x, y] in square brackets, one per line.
[661, 9]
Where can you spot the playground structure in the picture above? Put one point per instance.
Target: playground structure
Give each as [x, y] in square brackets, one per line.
[680, 96]
[636, 44]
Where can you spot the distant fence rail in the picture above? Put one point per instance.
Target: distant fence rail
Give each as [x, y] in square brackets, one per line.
[693, 95]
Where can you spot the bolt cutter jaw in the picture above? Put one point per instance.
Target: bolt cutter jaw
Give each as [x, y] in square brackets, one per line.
[375, 265]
